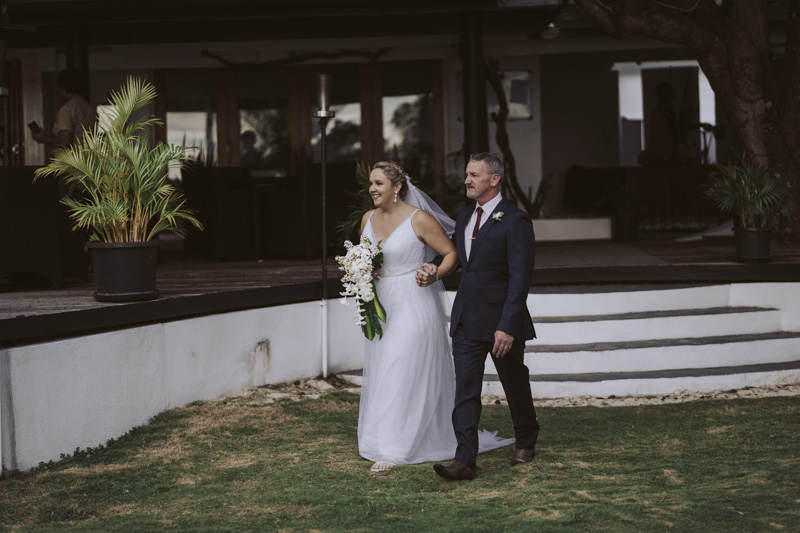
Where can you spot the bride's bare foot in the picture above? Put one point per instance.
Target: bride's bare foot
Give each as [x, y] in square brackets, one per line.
[383, 465]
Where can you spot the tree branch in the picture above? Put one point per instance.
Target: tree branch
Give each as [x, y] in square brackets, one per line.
[605, 16]
[659, 20]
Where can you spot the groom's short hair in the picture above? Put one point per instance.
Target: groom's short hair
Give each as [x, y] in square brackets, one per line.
[493, 162]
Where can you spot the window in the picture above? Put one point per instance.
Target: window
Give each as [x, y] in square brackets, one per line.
[343, 132]
[408, 118]
[191, 117]
[263, 98]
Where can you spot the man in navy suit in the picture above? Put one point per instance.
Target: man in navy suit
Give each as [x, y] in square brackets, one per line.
[496, 248]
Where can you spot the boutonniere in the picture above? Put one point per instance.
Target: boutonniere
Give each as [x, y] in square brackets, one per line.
[497, 217]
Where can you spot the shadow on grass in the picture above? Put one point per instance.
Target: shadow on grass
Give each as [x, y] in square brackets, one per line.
[294, 466]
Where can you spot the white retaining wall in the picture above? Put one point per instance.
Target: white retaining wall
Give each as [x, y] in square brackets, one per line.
[783, 296]
[78, 393]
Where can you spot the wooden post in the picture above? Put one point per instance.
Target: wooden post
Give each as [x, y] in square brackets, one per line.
[476, 132]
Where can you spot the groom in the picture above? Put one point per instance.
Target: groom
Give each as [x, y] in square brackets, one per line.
[496, 248]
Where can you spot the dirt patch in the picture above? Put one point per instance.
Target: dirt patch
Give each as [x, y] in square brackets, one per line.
[314, 388]
[293, 391]
[683, 396]
[553, 514]
[670, 475]
[718, 430]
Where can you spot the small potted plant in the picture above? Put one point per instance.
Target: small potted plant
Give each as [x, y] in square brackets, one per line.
[753, 195]
[120, 194]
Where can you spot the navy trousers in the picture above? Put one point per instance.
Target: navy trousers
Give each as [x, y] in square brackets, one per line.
[470, 357]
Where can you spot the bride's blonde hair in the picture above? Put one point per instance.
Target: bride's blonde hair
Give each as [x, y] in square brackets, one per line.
[395, 173]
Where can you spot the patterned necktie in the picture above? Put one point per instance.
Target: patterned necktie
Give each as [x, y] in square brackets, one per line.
[477, 224]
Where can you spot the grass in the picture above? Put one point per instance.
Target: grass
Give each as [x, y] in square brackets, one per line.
[241, 465]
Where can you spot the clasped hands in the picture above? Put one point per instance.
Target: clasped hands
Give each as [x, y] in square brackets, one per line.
[427, 274]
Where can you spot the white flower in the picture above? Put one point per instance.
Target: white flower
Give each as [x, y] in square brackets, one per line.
[497, 217]
[358, 282]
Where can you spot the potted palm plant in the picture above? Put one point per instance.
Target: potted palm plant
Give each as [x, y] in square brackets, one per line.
[121, 195]
[753, 195]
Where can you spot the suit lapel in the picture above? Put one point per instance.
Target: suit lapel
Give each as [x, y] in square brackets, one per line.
[485, 229]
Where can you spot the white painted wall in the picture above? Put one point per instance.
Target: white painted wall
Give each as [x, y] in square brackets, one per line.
[78, 393]
[784, 296]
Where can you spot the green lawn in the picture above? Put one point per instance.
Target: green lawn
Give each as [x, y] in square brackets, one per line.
[240, 465]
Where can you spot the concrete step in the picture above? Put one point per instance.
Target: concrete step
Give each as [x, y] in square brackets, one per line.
[656, 382]
[679, 323]
[582, 301]
[642, 383]
[661, 354]
[613, 299]
[644, 340]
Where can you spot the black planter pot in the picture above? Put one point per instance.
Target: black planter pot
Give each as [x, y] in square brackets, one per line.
[752, 244]
[125, 272]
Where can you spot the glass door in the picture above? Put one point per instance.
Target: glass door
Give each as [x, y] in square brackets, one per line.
[189, 107]
[263, 98]
[344, 131]
[408, 125]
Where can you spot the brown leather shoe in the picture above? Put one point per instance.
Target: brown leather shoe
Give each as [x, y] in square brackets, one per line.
[522, 456]
[455, 470]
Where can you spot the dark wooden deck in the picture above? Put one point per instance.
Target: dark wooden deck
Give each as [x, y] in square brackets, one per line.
[196, 288]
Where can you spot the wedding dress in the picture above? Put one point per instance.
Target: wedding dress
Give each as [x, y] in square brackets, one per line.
[408, 388]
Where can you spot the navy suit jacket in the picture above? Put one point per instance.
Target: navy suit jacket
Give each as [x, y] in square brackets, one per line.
[495, 279]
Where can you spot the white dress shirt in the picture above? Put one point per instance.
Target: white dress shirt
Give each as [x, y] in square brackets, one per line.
[487, 208]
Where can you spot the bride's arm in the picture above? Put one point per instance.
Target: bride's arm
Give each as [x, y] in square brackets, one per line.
[429, 231]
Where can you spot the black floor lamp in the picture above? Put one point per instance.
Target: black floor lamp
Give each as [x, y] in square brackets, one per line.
[324, 113]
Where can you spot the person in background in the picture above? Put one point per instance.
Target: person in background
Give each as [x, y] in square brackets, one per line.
[249, 156]
[74, 117]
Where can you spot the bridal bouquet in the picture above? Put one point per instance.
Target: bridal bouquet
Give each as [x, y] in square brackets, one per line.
[359, 264]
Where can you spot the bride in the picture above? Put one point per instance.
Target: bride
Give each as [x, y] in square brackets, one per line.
[408, 386]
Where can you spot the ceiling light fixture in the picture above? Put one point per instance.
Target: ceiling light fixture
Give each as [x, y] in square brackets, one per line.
[551, 32]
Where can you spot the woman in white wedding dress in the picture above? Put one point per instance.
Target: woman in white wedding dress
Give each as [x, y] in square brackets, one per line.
[408, 385]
